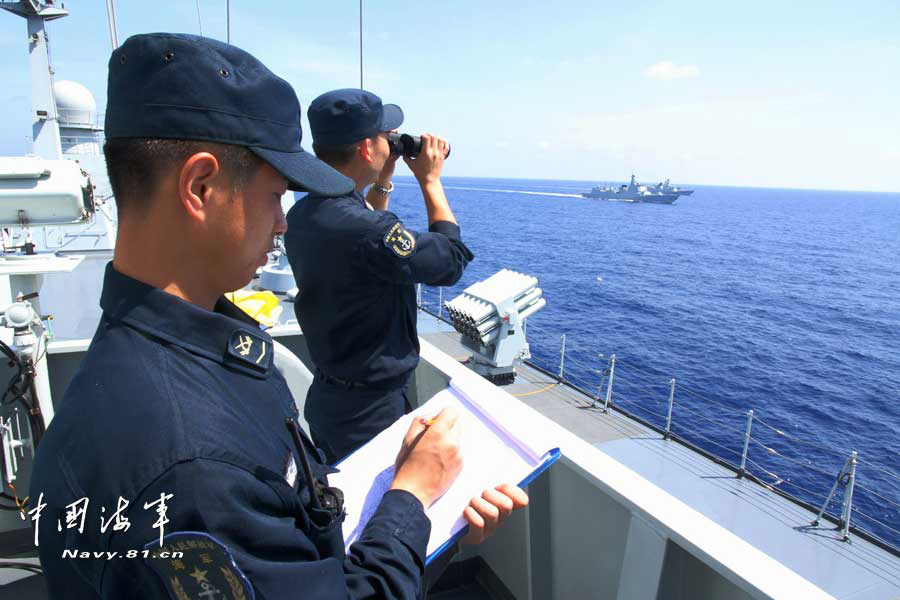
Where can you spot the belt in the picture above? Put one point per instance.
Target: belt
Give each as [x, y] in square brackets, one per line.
[383, 384]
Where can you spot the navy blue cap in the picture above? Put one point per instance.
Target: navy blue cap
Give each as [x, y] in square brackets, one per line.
[179, 86]
[341, 117]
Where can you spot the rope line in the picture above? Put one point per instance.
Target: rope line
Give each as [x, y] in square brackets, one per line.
[631, 365]
[620, 400]
[630, 377]
[771, 474]
[876, 494]
[871, 518]
[690, 392]
[814, 493]
[533, 392]
[878, 468]
[771, 450]
[651, 391]
[796, 439]
[737, 430]
[694, 432]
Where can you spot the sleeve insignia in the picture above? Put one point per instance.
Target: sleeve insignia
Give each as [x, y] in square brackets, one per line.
[202, 568]
[400, 240]
[250, 349]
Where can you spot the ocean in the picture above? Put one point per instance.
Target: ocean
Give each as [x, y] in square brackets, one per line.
[782, 301]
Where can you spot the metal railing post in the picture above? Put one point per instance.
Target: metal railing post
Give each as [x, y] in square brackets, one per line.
[848, 498]
[837, 481]
[419, 295]
[609, 382]
[562, 357]
[669, 414]
[440, 301]
[743, 468]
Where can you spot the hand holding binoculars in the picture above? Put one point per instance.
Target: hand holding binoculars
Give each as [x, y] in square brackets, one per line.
[404, 144]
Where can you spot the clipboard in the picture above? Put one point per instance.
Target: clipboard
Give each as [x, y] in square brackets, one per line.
[497, 446]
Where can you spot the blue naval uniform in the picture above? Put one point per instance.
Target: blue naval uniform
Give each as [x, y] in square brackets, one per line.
[355, 269]
[174, 399]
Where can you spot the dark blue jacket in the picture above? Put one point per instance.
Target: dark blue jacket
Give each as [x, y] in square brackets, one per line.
[175, 399]
[355, 269]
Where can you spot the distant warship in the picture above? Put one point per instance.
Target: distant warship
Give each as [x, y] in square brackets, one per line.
[661, 193]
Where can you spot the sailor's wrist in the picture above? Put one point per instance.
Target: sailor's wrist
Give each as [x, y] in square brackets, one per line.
[383, 187]
[413, 490]
[431, 186]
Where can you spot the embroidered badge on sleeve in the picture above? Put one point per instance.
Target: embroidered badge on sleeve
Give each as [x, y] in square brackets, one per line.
[399, 240]
[195, 565]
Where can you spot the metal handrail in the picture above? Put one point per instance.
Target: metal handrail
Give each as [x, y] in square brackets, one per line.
[569, 357]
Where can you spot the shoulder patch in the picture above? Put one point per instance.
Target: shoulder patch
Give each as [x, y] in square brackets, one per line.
[195, 565]
[251, 349]
[399, 240]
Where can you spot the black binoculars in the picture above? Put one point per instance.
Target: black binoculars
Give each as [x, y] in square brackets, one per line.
[403, 144]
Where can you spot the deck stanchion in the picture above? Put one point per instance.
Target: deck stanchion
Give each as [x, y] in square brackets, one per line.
[562, 357]
[743, 468]
[837, 481]
[419, 295]
[669, 414]
[848, 498]
[609, 382]
[440, 301]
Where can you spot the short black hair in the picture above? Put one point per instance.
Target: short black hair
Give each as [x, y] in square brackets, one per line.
[336, 156]
[135, 165]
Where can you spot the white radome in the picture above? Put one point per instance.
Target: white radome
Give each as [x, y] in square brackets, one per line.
[75, 104]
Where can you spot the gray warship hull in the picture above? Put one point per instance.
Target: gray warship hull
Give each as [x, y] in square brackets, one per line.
[662, 193]
[631, 197]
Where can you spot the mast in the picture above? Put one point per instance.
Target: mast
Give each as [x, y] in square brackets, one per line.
[45, 126]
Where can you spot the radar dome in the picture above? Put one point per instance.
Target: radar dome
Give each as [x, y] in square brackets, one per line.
[75, 104]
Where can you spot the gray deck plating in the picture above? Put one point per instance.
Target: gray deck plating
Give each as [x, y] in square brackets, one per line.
[857, 570]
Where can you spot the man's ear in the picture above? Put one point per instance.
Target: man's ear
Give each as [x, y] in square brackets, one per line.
[195, 183]
[366, 149]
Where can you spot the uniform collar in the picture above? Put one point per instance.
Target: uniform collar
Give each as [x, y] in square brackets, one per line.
[355, 195]
[359, 198]
[226, 334]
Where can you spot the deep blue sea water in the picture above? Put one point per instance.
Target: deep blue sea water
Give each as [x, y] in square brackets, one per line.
[786, 302]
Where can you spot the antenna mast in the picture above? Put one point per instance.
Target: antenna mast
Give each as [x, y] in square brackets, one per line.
[45, 125]
[199, 20]
[360, 44]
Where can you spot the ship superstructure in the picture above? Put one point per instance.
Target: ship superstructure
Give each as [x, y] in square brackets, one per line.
[661, 193]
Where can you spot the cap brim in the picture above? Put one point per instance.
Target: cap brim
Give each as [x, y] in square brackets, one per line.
[306, 173]
[391, 118]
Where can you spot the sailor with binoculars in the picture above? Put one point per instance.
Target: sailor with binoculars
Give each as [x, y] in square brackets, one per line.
[356, 265]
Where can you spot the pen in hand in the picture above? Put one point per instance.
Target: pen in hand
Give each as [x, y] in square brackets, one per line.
[404, 452]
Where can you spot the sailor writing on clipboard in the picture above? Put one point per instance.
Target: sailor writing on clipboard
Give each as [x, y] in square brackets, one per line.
[168, 471]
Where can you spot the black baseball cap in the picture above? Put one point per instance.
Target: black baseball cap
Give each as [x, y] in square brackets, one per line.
[341, 117]
[180, 86]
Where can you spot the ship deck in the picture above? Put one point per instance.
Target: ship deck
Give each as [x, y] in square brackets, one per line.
[775, 525]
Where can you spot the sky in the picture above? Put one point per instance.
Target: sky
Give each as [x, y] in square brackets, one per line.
[800, 94]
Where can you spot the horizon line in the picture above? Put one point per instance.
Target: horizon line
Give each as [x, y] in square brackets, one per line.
[595, 181]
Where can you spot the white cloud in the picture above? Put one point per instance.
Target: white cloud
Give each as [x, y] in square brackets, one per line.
[666, 70]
